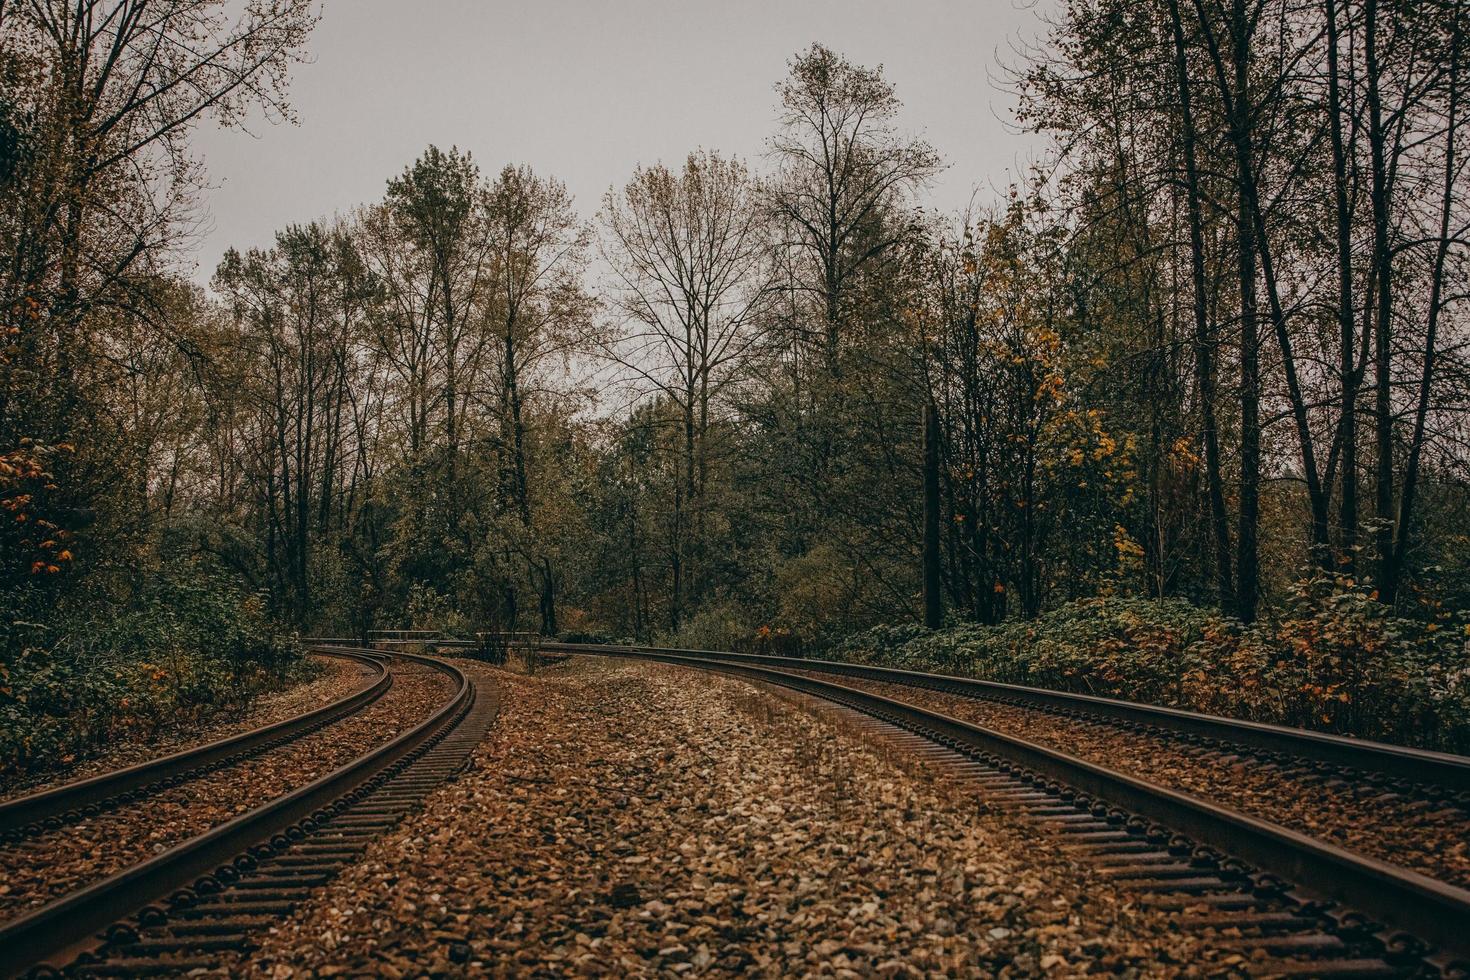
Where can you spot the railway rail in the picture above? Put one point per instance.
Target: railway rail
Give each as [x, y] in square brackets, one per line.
[182, 909]
[35, 813]
[1325, 910]
[1399, 764]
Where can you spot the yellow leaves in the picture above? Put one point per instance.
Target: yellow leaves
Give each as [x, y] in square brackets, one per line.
[1047, 338]
[1128, 550]
[1051, 388]
[1184, 454]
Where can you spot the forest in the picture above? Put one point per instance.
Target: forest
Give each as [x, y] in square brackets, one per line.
[1200, 379]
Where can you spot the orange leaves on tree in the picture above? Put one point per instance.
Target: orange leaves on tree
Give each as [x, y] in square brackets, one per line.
[21, 470]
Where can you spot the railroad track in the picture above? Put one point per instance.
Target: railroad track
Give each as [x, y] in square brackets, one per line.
[202, 899]
[37, 813]
[1313, 908]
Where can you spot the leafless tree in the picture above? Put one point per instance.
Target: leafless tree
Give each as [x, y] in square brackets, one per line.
[688, 252]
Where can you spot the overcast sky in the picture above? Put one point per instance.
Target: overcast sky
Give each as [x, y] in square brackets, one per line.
[584, 90]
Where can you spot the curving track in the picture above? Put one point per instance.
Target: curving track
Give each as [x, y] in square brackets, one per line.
[1322, 909]
[35, 814]
[176, 911]
[1397, 764]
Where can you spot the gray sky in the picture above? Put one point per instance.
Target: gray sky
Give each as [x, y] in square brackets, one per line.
[585, 90]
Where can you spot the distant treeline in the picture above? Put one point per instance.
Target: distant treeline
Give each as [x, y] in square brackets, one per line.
[1212, 347]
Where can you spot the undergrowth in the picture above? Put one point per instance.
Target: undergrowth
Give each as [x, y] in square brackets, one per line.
[1334, 660]
[180, 650]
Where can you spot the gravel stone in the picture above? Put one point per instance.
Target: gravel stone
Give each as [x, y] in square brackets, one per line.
[630, 819]
[1430, 838]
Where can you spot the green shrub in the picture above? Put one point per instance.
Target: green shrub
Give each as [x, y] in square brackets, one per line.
[714, 627]
[1334, 661]
[180, 650]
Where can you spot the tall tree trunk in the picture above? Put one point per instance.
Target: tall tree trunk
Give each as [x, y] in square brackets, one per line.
[1030, 574]
[451, 376]
[676, 557]
[548, 599]
[691, 494]
[1383, 335]
[1348, 378]
[1248, 574]
[635, 557]
[1318, 495]
[1404, 523]
[933, 599]
[1204, 341]
[701, 487]
[520, 488]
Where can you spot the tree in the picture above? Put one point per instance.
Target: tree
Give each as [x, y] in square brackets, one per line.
[842, 168]
[436, 205]
[688, 252]
[293, 340]
[99, 98]
[539, 311]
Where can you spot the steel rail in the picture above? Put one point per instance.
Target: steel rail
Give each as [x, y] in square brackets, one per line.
[59, 931]
[1420, 906]
[1395, 761]
[49, 809]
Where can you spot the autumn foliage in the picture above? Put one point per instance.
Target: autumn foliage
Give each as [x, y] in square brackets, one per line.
[1335, 661]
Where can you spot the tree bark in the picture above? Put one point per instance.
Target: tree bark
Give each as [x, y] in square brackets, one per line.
[1204, 341]
[1404, 522]
[933, 598]
[1348, 378]
[1383, 334]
